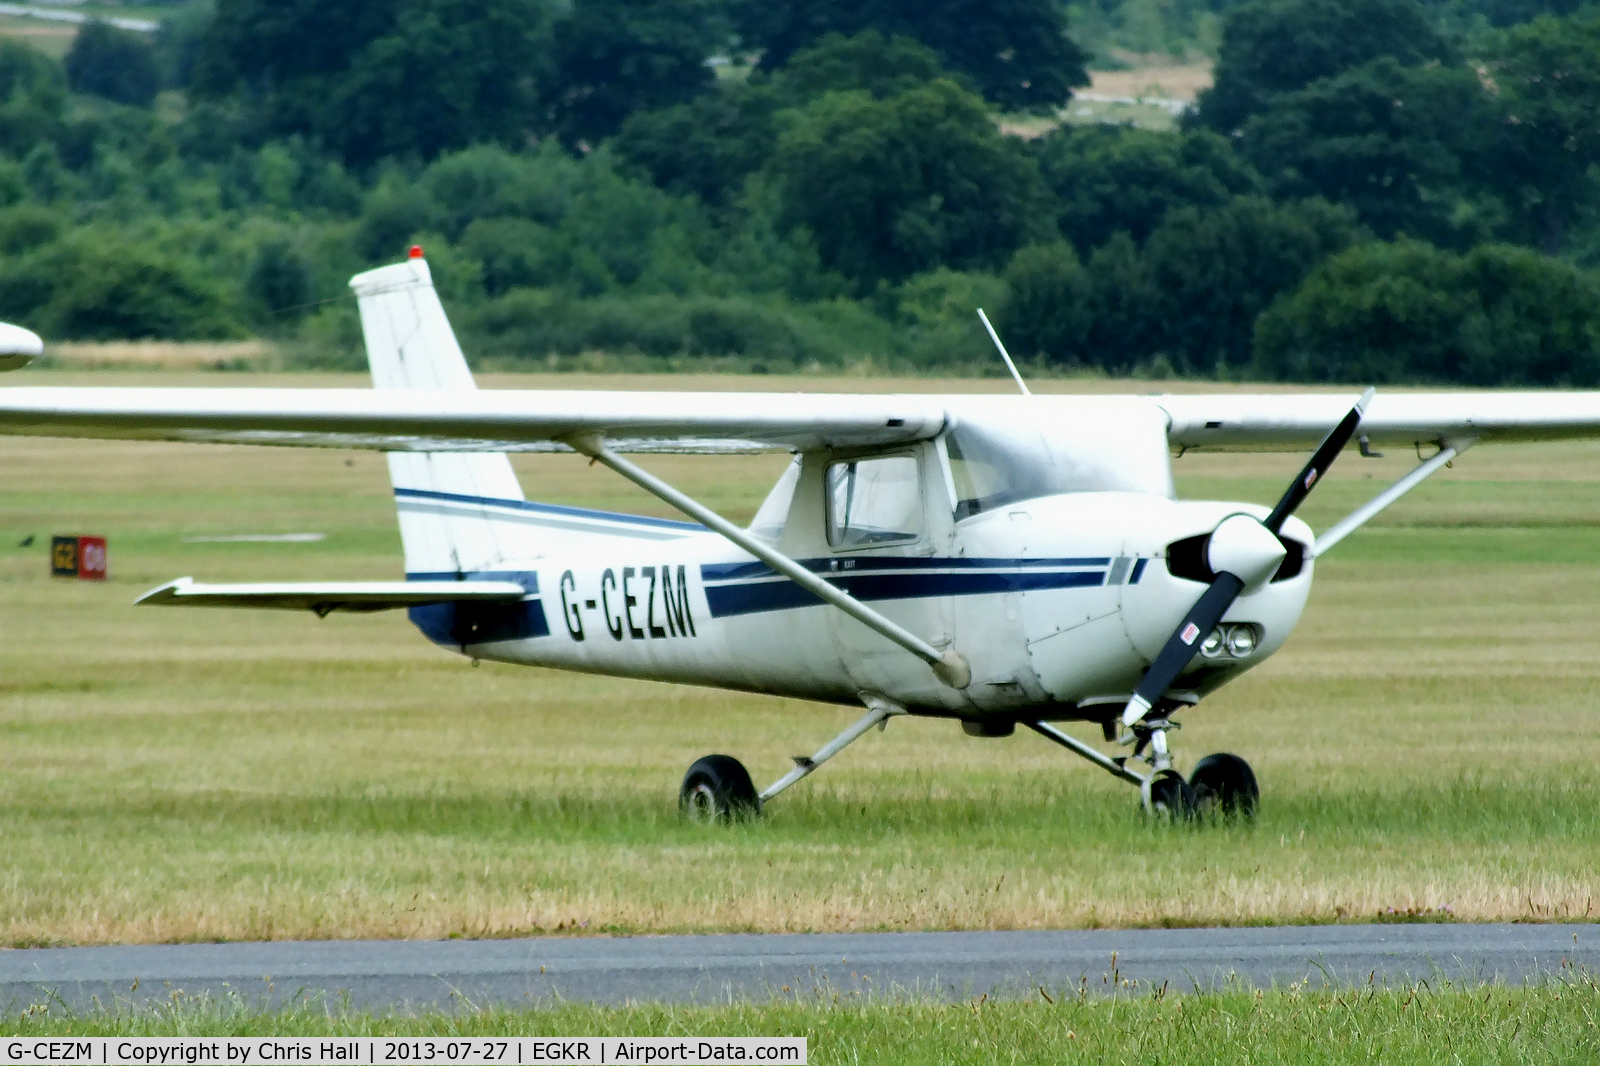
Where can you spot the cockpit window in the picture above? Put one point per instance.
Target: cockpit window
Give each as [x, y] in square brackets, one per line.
[990, 470]
[774, 512]
[873, 502]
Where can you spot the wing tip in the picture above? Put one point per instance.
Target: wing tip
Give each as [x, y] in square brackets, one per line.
[164, 594]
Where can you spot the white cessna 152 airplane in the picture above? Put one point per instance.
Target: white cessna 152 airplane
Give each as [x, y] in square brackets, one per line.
[995, 560]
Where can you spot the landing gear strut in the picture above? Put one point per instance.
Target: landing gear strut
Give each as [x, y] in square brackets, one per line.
[1221, 784]
[717, 788]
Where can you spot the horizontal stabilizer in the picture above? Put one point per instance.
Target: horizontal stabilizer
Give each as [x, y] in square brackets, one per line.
[326, 597]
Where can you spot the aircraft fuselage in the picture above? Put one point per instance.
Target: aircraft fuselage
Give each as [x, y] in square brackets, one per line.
[1059, 604]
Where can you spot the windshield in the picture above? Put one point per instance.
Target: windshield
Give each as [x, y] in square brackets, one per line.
[1003, 451]
[991, 469]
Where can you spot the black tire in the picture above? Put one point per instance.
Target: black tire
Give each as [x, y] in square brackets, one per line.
[1225, 784]
[1169, 797]
[717, 788]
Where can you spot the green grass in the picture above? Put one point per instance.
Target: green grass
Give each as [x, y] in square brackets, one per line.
[1426, 743]
[1552, 1023]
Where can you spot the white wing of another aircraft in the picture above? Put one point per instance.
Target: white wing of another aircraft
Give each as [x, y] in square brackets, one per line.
[18, 346]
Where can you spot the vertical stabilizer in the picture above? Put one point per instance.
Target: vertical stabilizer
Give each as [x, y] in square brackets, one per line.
[444, 498]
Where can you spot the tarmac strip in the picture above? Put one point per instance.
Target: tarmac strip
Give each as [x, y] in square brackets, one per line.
[397, 975]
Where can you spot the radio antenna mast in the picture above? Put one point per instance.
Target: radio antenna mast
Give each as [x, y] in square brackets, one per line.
[1001, 348]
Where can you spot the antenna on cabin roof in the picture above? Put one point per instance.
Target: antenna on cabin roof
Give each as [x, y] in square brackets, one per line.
[1003, 353]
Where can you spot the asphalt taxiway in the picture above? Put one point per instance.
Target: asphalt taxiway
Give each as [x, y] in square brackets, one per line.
[385, 975]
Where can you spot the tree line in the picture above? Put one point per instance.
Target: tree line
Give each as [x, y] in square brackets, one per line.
[1386, 190]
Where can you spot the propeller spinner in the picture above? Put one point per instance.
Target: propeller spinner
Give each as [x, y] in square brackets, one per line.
[1244, 553]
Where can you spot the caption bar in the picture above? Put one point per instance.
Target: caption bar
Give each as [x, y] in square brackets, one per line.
[313, 1051]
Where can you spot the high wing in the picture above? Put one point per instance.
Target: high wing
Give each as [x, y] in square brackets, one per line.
[449, 420]
[1297, 421]
[426, 401]
[710, 422]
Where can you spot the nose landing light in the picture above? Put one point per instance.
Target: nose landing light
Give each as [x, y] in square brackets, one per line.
[1237, 640]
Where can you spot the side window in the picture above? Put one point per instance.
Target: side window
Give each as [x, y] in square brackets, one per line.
[874, 501]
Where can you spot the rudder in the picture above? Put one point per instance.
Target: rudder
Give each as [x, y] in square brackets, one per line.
[443, 498]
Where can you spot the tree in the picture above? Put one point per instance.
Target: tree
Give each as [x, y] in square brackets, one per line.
[1050, 312]
[870, 62]
[373, 81]
[33, 93]
[1110, 178]
[100, 284]
[1407, 311]
[177, 43]
[117, 64]
[1216, 270]
[709, 145]
[616, 57]
[706, 147]
[1548, 76]
[1404, 146]
[1125, 307]
[1271, 47]
[889, 188]
[1504, 13]
[1016, 51]
[279, 281]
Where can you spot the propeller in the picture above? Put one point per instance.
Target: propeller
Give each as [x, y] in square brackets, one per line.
[1244, 553]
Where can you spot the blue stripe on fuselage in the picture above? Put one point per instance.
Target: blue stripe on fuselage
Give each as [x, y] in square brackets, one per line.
[549, 509]
[835, 565]
[866, 579]
[457, 624]
[528, 579]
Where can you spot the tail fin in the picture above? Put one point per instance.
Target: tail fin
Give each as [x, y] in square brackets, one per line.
[446, 525]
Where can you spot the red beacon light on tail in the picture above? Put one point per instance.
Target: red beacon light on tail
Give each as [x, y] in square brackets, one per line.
[416, 252]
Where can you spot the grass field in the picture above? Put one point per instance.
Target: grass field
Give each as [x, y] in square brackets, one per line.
[1427, 743]
[1555, 1023]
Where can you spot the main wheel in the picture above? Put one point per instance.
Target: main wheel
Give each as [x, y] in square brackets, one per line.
[1167, 795]
[1225, 783]
[717, 788]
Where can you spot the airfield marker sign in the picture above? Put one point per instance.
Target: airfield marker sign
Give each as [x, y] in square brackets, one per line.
[82, 557]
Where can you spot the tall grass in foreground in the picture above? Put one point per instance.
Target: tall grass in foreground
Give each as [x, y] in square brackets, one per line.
[1554, 1022]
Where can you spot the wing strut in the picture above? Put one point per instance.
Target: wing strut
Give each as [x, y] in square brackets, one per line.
[949, 666]
[1364, 514]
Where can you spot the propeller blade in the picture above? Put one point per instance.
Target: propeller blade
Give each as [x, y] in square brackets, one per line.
[1208, 610]
[1321, 459]
[1183, 645]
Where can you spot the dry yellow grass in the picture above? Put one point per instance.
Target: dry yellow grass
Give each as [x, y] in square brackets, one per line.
[52, 38]
[163, 355]
[1426, 743]
[1170, 81]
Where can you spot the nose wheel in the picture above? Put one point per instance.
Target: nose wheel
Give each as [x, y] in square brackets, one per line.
[1221, 784]
[1224, 784]
[1167, 795]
